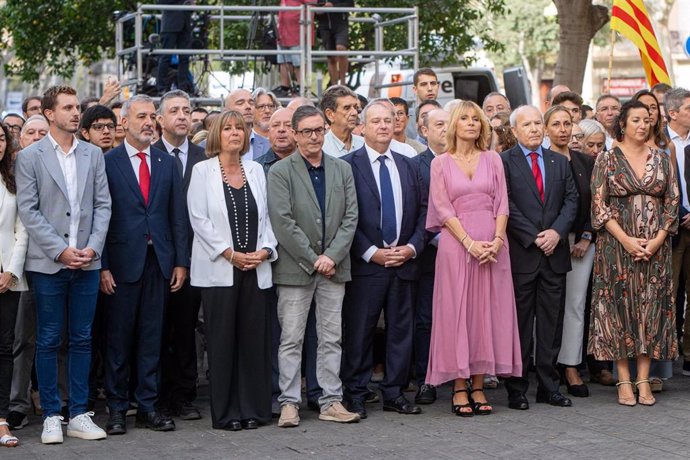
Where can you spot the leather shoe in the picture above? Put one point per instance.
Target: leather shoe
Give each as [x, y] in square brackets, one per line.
[518, 402]
[555, 399]
[425, 395]
[155, 421]
[401, 405]
[357, 406]
[185, 410]
[250, 424]
[234, 425]
[117, 423]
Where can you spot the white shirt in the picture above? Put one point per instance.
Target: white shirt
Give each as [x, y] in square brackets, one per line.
[336, 148]
[184, 152]
[397, 196]
[403, 149]
[608, 142]
[135, 160]
[680, 144]
[68, 164]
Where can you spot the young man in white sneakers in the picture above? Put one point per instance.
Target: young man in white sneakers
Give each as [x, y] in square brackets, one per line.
[64, 203]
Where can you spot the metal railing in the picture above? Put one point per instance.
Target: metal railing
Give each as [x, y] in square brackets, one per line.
[380, 18]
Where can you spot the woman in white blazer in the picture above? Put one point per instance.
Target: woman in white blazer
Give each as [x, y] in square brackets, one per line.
[13, 243]
[231, 254]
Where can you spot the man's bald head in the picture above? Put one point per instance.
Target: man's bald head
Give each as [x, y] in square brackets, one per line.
[241, 100]
[300, 102]
[280, 132]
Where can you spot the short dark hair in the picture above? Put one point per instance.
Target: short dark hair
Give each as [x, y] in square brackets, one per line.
[199, 110]
[25, 102]
[401, 101]
[330, 97]
[303, 112]
[50, 96]
[175, 93]
[567, 96]
[363, 101]
[97, 112]
[86, 102]
[116, 105]
[423, 71]
[433, 102]
[662, 88]
[622, 119]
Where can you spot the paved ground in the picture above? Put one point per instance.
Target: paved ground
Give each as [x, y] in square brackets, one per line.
[594, 428]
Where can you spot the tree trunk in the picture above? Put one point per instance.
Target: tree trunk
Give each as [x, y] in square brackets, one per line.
[578, 21]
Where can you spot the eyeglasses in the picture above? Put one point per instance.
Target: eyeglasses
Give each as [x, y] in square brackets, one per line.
[265, 106]
[307, 132]
[14, 128]
[102, 126]
[577, 137]
[400, 114]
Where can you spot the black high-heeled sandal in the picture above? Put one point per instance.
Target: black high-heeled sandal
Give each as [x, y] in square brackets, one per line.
[477, 405]
[457, 409]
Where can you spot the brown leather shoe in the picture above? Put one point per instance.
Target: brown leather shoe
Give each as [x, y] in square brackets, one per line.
[605, 377]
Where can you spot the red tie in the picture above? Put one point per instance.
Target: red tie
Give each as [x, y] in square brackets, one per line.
[536, 172]
[144, 177]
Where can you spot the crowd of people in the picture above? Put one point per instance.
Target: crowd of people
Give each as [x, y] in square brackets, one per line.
[346, 242]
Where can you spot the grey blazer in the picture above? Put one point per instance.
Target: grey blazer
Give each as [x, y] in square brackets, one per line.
[296, 219]
[44, 207]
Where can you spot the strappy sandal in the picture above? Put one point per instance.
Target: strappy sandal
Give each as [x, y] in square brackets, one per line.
[8, 440]
[481, 408]
[644, 400]
[629, 402]
[657, 384]
[457, 409]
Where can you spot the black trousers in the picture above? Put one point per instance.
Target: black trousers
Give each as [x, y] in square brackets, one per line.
[178, 355]
[135, 315]
[365, 297]
[9, 305]
[541, 296]
[181, 40]
[239, 350]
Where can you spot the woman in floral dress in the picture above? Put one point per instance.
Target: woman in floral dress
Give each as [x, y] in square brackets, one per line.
[634, 207]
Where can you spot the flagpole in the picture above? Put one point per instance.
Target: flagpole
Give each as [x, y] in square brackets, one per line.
[613, 43]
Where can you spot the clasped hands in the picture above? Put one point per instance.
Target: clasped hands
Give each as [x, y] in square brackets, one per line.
[547, 241]
[245, 260]
[392, 257]
[75, 259]
[641, 249]
[484, 251]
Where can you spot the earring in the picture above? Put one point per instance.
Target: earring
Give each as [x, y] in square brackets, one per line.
[622, 131]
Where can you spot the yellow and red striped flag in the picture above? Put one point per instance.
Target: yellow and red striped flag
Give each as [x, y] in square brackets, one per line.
[630, 19]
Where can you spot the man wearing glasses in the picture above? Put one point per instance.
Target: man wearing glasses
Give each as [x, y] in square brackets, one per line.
[312, 204]
[608, 107]
[98, 125]
[14, 123]
[425, 87]
[266, 104]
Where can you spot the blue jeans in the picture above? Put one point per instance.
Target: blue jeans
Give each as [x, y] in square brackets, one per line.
[74, 293]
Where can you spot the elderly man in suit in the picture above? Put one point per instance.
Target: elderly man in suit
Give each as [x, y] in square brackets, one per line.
[146, 256]
[63, 201]
[543, 205]
[176, 33]
[178, 356]
[313, 209]
[434, 130]
[390, 236]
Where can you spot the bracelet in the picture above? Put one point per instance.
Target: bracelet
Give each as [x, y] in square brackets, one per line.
[470, 248]
[232, 255]
[463, 239]
[500, 238]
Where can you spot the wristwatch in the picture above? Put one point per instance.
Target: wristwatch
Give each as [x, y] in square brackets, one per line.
[269, 251]
[586, 236]
[15, 280]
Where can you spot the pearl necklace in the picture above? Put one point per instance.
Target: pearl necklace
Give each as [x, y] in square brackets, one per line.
[234, 206]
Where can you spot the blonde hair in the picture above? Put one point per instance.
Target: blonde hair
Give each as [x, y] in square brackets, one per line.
[463, 108]
[213, 141]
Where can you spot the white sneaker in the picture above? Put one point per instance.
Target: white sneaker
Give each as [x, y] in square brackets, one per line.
[83, 427]
[52, 430]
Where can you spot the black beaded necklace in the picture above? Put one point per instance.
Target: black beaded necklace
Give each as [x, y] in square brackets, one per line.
[234, 206]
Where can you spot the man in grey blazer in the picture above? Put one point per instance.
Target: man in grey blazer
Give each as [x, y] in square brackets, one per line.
[313, 208]
[64, 203]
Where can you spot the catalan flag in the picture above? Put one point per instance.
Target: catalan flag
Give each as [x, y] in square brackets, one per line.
[630, 19]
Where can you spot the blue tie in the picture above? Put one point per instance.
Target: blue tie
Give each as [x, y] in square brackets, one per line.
[388, 225]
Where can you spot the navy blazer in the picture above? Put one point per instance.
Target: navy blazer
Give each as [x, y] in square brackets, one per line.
[195, 154]
[529, 215]
[412, 229]
[427, 261]
[164, 219]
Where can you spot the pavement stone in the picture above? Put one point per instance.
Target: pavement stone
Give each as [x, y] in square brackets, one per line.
[594, 428]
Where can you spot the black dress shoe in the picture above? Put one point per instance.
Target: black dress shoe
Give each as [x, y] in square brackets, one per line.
[555, 399]
[357, 406]
[155, 421]
[425, 395]
[117, 423]
[185, 410]
[250, 424]
[401, 405]
[371, 397]
[234, 425]
[579, 391]
[518, 402]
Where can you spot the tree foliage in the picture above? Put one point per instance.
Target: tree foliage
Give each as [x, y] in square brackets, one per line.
[51, 36]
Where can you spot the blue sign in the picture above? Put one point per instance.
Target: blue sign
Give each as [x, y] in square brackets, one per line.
[687, 45]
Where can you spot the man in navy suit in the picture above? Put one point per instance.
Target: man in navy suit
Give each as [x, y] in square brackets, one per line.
[145, 257]
[434, 128]
[543, 205]
[390, 235]
[178, 356]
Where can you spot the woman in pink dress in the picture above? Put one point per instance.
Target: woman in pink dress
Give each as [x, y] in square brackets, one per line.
[474, 328]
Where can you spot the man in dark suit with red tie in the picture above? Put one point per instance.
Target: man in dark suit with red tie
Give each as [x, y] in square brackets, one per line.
[390, 236]
[146, 256]
[543, 205]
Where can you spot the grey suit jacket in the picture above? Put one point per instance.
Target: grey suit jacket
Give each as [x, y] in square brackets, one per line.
[296, 219]
[44, 207]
